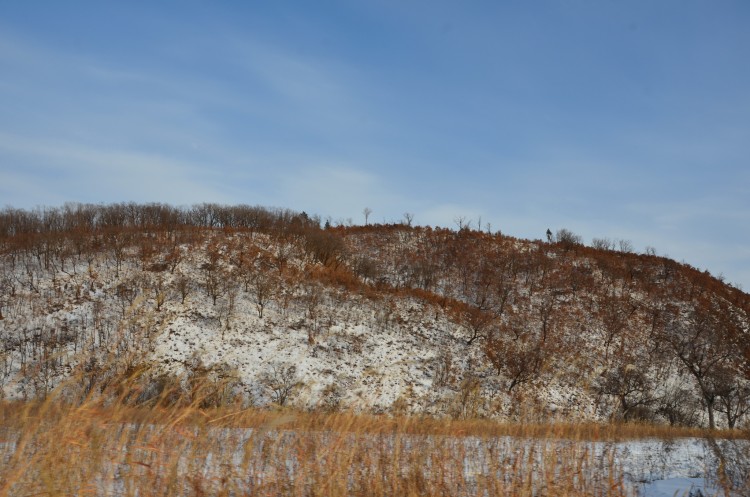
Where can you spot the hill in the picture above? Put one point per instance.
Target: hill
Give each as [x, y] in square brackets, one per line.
[272, 308]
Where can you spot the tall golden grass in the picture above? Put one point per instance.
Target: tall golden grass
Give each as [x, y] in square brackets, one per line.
[103, 446]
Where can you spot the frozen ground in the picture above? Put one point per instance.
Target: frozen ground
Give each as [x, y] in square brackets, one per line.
[687, 487]
[683, 467]
[650, 468]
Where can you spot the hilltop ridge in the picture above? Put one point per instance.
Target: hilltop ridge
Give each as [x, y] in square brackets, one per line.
[381, 318]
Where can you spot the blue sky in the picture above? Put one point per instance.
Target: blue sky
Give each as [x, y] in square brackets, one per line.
[612, 119]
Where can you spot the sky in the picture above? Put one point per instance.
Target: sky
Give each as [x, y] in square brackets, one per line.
[625, 120]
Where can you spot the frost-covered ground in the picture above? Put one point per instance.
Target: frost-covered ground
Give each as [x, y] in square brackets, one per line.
[687, 487]
[116, 458]
[650, 468]
[346, 348]
[372, 366]
[660, 468]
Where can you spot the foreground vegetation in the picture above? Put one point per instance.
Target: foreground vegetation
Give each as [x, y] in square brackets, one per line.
[108, 446]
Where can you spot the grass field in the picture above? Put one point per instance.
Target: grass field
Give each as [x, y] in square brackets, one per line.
[105, 447]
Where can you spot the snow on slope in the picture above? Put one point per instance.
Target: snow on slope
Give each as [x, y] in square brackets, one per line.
[378, 344]
[369, 353]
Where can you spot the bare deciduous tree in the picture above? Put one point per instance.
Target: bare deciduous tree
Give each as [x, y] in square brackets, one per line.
[263, 288]
[478, 322]
[281, 381]
[443, 369]
[734, 396]
[367, 211]
[702, 342]
[517, 353]
[603, 244]
[227, 305]
[183, 284]
[212, 274]
[408, 218]
[625, 245]
[630, 385]
[462, 223]
[567, 237]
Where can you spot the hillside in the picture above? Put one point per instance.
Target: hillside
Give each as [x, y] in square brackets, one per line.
[273, 308]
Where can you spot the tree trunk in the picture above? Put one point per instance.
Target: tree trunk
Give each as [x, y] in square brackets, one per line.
[710, 409]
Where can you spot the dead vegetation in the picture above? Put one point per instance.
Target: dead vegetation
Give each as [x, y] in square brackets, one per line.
[99, 448]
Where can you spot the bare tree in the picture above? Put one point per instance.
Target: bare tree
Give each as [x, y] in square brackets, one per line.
[603, 244]
[281, 381]
[478, 322]
[443, 364]
[183, 284]
[567, 237]
[367, 211]
[7, 290]
[118, 243]
[227, 306]
[615, 312]
[517, 353]
[160, 291]
[468, 399]
[263, 288]
[678, 405]
[212, 275]
[173, 258]
[625, 245]
[462, 223]
[6, 367]
[701, 341]
[630, 385]
[734, 396]
[408, 218]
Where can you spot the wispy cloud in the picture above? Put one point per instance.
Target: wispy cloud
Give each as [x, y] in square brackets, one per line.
[48, 170]
[338, 190]
[399, 108]
[317, 94]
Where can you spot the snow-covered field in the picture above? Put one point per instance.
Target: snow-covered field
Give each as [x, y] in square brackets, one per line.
[680, 487]
[671, 467]
[650, 468]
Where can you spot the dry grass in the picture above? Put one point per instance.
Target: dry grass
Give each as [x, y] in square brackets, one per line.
[95, 447]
